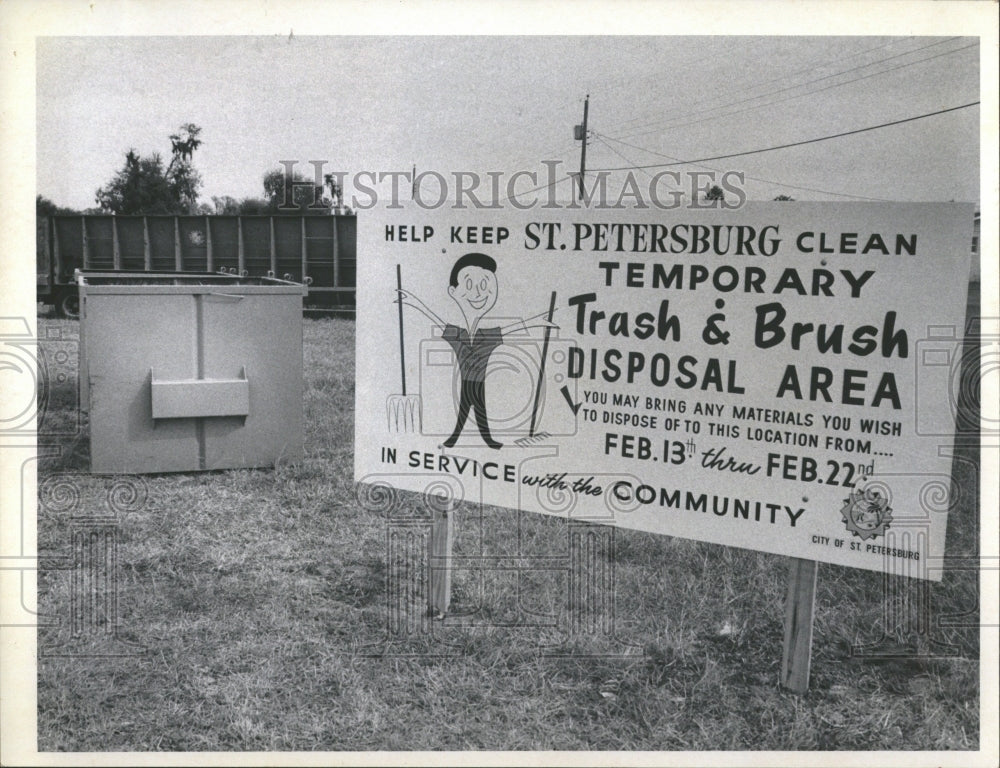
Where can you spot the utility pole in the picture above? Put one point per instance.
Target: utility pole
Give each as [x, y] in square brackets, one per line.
[582, 134]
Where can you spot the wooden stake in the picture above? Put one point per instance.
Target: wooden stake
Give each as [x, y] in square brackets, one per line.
[799, 605]
[442, 529]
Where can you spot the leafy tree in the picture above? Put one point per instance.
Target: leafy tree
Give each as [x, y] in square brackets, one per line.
[253, 206]
[305, 195]
[715, 193]
[45, 207]
[336, 191]
[226, 205]
[184, 179]
[143, 185]
[185, 142]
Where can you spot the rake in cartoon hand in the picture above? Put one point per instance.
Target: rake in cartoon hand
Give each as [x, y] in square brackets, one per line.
[402, 411]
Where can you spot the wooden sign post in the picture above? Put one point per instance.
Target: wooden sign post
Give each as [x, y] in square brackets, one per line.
[799, 604]
[439, 558]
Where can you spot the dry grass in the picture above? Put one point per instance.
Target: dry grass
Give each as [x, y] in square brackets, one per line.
[254, 615]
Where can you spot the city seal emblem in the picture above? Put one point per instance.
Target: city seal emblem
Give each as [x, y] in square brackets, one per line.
[866, 513]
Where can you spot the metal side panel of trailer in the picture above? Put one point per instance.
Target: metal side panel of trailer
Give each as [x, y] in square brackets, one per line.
[318, 250]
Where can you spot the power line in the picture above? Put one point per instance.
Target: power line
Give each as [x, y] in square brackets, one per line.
[786, 185]
[559, 152]
[796, 96]
[536, 189]
[601, 139]
[751, 152]
[676, 68]
[797, 85]
[781, 184]
[812, 68]
[793, 144]
[612, 86]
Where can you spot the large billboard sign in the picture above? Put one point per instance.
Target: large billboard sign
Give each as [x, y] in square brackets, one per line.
[782, 377]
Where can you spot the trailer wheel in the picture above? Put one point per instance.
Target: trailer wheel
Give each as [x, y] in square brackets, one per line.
[69, 305]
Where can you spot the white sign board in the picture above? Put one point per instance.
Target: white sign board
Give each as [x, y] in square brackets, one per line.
[783, 377]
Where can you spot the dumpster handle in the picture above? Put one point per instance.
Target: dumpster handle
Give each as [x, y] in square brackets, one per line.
[232, 296]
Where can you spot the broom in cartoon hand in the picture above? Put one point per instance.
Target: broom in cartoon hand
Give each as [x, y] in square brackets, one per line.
[402, 411]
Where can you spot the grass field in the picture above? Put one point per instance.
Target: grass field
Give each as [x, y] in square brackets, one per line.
[256, 609]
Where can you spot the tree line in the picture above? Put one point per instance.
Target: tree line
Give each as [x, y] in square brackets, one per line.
[145, 185]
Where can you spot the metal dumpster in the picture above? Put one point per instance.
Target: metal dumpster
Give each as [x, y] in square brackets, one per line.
[183, 372]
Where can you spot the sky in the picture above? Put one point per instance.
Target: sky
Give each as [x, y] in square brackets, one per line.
[504, 104]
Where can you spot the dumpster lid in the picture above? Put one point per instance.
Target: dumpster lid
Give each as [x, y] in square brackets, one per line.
[181, 282]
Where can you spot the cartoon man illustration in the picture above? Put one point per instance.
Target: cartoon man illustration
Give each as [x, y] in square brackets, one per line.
[473, 286]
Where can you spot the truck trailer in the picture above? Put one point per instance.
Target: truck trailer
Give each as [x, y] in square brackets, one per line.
[318, 250]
